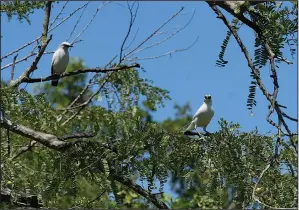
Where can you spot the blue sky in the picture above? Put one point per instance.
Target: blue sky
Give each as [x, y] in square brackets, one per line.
[187, 75]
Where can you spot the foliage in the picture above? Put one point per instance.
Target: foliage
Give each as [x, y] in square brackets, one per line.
[68, 88]
[20, 8]
[215, 171]
[278, 22]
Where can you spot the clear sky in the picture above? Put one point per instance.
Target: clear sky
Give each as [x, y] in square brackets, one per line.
[187, 75]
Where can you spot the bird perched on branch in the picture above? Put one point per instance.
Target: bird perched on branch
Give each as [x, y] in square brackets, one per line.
[202, 117]
[60, 61]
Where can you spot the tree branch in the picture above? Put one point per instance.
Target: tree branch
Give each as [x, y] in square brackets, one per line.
[81, 71]
[147, 195]
[43, 46]
[48, 140]
[46, 21]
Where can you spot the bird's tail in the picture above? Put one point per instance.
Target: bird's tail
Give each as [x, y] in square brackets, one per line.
[181, 128]
[54, 83]
[190, 127]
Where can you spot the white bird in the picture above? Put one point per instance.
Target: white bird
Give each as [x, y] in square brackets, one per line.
[203, 116]
[60, 60]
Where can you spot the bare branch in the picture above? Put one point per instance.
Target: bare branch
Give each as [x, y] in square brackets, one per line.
[284, 60]
[98, 9]
[13, 67]
[132, 20]
[57, 16]
[167, 38]
[165, 54]
[77, 22]
[17, 50]
[25, 75]
[70, 15]
[81, 71]
[23, 59]
[50, 29]
[48, 140]
[151, 35]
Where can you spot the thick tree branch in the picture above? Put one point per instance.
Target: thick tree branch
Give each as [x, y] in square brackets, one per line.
[77, 135]
[43, 46]
[46, 21]
[48, 140]
[81, 71]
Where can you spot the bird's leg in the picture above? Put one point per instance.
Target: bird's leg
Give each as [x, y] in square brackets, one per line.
[205, 130]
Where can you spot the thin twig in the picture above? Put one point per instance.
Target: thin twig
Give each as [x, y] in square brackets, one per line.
[77, 22]
[70, 15]
[165, 54]
[132, 20]
[83, 105]
[85, 89]
[98, 9]
[36, 39]
[32, 67]
[24, 149]
[60, 12]
[23, 59]
[13, 67]
[167, 38]
[152, 34]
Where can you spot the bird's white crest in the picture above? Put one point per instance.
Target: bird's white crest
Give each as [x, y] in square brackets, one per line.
[65, 44]
[203, 116]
